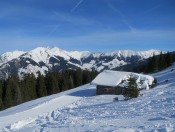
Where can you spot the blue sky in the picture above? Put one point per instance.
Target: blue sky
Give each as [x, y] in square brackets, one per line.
[94, 25]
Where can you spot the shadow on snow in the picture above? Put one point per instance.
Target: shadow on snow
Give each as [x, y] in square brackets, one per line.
[84, 93]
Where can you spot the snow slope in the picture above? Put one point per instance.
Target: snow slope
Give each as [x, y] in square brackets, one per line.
[80, 110]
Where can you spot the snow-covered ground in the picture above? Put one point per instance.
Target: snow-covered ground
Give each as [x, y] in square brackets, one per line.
[80, 110]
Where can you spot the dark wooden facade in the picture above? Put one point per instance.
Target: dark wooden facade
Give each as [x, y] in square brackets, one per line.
[109, 90]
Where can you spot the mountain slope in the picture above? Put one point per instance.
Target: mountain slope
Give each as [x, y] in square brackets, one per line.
[80, 110]
[45, 60]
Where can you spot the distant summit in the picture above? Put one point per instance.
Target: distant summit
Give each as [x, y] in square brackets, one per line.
[43, 60]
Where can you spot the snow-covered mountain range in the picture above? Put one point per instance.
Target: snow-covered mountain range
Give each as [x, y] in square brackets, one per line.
[44, 60]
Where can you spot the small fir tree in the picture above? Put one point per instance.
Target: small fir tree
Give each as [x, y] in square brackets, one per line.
[132, 89]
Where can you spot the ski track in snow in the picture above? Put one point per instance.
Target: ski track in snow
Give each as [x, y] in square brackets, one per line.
[79, 110]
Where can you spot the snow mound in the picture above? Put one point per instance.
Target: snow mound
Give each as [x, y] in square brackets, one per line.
[143, 81]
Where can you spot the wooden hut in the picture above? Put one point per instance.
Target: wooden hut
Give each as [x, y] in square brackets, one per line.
[108, 82]
[115, 82]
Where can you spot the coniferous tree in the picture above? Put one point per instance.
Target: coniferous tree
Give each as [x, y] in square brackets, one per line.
[17, 93]
[173, 56]
[30, 87]
[78, 77]
[24, 91]
[132, 89]
[93, 74]
[168, 59]
[63, 82]
[150, 66]
[1, 95]
[161, 61]
[8, 94]
[52, 84]
[86, 77]
[40, 86]
[13, 93]
[155, 63]
[1, 104]
[70, 82]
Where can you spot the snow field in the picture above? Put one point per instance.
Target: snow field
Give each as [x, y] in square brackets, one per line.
[79, 110]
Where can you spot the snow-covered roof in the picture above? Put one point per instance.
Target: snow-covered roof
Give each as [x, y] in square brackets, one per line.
[110, 78]
[114, 78]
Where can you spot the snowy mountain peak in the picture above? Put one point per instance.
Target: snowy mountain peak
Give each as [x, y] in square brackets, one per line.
[47, 59]
[42, 54]
[79, 54]
[55, 51]
[129, 53]
[8, 56]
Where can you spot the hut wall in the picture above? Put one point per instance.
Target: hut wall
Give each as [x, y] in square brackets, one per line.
[109, 90]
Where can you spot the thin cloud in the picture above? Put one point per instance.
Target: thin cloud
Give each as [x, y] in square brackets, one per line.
[112, 39]
[73, 19]
[146, 37]
[152, 9]
[129, 25]
[53, 30]
[123, 18]
[77, 5]
[60, 17]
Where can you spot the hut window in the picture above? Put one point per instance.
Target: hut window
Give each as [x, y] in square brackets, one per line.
[106, 89]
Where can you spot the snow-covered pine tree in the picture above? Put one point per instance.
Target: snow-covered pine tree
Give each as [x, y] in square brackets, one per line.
[132, 90]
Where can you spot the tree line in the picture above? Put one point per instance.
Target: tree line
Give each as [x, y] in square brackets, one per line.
[157, 63]
[14, 91]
